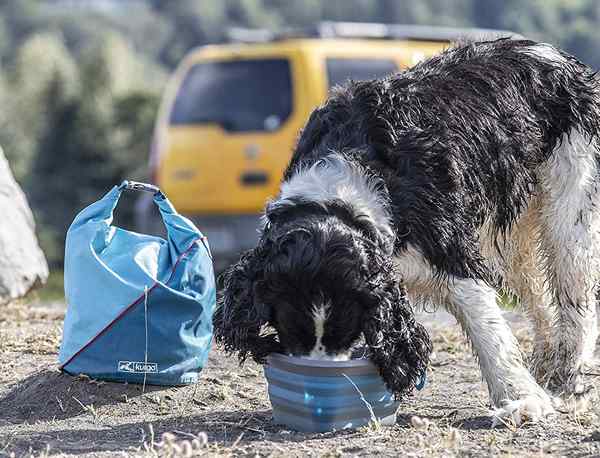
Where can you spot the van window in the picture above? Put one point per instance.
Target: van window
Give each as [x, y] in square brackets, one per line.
[240, 95]
[339, 70]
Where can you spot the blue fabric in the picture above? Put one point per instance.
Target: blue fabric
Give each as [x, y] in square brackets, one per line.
[108, 271]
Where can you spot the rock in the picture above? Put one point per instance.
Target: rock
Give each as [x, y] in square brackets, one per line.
[22, 263]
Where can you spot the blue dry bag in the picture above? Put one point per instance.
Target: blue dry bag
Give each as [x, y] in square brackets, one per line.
[139, 307]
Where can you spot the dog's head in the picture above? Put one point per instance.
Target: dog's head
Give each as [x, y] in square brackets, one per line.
[312, 287]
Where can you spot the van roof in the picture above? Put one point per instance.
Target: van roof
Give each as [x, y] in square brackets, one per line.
[364, 30]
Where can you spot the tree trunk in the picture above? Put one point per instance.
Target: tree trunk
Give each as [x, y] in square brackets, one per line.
[22, 262]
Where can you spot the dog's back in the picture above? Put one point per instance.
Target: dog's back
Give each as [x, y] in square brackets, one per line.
[503, 94]
[461, 134]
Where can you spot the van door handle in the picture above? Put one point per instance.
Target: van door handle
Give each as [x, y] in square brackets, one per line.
[254, 178]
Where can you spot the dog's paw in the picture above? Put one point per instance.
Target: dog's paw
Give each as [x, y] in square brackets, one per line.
[529, 409]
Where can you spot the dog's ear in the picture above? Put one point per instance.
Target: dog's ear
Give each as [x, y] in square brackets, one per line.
[240, 319]
[399, 346]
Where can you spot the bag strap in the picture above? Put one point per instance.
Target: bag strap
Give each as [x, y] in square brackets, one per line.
[181, 232]
[138, 186]
[164, 206]
[179, 229]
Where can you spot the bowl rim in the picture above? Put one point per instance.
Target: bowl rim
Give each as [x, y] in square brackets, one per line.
[316, 363]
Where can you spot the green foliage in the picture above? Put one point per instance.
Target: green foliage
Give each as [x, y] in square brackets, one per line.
[90, 140]
[40, 59]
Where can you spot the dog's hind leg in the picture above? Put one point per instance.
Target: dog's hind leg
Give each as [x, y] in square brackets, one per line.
[524, 276]
[570, 223]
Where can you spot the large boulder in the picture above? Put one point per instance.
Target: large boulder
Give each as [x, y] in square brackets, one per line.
[22, 262]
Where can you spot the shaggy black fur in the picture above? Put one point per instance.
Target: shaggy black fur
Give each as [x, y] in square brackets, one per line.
[455, 142]
[460, 134]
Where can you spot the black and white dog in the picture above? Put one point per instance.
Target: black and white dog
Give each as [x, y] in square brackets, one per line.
[473, 171]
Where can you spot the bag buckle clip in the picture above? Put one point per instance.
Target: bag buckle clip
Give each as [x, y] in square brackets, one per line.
[137, 186]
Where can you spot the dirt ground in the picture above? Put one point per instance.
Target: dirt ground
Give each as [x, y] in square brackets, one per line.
[45, 413]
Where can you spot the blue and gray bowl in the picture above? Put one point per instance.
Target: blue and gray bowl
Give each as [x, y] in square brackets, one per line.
[318, 396]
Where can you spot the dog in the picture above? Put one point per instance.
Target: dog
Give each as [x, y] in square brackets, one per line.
[473, 172]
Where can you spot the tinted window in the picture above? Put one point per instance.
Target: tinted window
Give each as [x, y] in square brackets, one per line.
[340, 70]
[241, 95]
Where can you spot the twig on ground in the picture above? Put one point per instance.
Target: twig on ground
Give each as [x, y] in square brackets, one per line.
[237, 441]
[60, 404]
[375, 423]
[183, 433]
[90, 409]
[230, 423]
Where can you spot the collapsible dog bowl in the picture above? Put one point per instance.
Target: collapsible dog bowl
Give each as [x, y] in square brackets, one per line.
[316, 396]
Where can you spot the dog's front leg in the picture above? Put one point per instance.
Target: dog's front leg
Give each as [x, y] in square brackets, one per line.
[512, 389]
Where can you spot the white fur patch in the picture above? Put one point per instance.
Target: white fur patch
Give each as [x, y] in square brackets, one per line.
[326, 357]
[571, 197]
[545, 51]
[517, 412]
[570, 179]
[319, 316]
[334, 178]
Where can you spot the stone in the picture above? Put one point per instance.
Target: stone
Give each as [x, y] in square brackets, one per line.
[23, 265]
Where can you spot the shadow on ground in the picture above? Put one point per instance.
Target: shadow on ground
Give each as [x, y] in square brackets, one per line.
[52, 395]
[221, 427]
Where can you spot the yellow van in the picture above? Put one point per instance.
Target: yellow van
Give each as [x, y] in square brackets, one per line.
[231, 114]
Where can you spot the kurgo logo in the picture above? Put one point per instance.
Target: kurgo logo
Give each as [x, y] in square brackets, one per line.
[137, 366]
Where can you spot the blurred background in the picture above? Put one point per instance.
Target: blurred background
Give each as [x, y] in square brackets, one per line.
[81, 83]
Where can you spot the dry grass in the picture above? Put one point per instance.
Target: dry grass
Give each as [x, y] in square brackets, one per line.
[44, 413]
